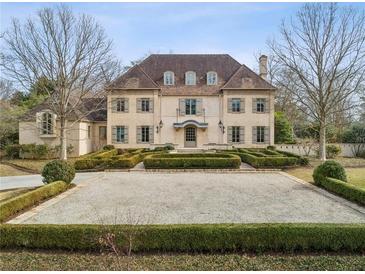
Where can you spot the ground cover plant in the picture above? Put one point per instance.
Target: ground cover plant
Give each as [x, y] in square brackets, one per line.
[12, 260]
[189, 161]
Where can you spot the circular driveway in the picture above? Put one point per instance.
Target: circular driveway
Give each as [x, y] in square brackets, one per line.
[173, 198]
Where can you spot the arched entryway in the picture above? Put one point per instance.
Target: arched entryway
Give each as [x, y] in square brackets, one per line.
[190, 136]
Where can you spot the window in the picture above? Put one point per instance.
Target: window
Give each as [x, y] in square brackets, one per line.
[260, 104]
[89, 132]
[190, 78]
[102, 132]
[145, 105]
[168, 78]
[260, 134]
[236, 105]
[236, 134]
[121, 136]
[120, 105]
[212, 78]
[190, 106]
[145, 134]
[47, 123]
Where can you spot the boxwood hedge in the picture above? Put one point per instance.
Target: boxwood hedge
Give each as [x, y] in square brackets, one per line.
[31, 198]
[191, 238]
[190, 161]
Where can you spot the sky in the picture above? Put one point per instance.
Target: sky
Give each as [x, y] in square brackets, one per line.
[238, 29]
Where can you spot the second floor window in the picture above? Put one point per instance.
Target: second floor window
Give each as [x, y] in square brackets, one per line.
[145, 105]
[168, 78]
[120, 105]
[190, 106]
[190, 78]
[47, 123]
[236, 105]
[260, 104]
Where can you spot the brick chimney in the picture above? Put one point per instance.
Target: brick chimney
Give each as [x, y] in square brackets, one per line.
[263, 66]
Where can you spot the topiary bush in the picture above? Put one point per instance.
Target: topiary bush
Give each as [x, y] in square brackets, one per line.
[12, 151]
[332, 151]
[58, 170]
[330, 169]
[108, 147]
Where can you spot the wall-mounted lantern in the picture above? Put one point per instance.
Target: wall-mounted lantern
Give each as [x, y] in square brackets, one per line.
[160, 125]
[221, 126]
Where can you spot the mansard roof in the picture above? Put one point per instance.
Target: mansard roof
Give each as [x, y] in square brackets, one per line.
[150, 72]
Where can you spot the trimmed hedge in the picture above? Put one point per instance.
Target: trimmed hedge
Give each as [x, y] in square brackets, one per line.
[346, 190]
[191, 238]
[31, 198]
[261, 162]
[189, 161]
[106, 154]
[329, 169]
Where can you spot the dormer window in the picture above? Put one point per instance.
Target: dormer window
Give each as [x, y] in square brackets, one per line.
[168, 78]
[212, 78]
[190, 78]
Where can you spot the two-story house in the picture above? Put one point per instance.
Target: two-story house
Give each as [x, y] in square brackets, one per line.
[187, 100]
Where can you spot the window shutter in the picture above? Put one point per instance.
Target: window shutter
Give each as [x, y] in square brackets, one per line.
[229, 105]
[39, 122]
[254, 135]
[229, 135]
[182, 106]
[139, 134]
[242, 135]
[254, 101]
[151, 105]
[151, 134]
[267, 135]
[199, 106]
[126, 105]
[114, 134]
[126, 137]
[114, 105]
[242, 105]
[266, 105]
[139, 105]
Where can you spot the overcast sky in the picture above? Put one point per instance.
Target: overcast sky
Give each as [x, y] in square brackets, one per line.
[239, 29]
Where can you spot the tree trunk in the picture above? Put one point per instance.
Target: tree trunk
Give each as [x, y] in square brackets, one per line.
[63, 140]
[322, 141]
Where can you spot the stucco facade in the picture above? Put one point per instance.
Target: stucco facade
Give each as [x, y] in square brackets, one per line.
[188, 101]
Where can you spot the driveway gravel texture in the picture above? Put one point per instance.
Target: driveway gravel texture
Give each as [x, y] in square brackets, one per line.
[180, 198]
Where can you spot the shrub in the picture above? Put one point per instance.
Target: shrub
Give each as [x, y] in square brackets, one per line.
[26, 200]
[262, 162]
[86, 164]
[108, 147]
[40, 151]
[333, 151]
[27, 149]
[13, 151]
[106, 154]
[69, 149]
[169, 147]
[271, 147]
[343, 189]
[172, 161]
[58, 170]
[329, 169]
[191, 238]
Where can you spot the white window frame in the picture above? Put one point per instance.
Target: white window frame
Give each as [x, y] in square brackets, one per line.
[189, 106]
[169, 78]
[120, 105]
[212, 78]
[236, 107]
[145, 134]
[236, 134]
[120, 134]
[260, 105]
[190, 78]
[145, 105]
[260, 134]
[47, 127]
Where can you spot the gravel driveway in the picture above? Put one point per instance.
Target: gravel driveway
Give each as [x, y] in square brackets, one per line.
[161, 198]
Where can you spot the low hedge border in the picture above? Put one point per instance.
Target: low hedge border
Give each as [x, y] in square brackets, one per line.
[192, 161]
[191, 238]
[31, 198]
[343, 189]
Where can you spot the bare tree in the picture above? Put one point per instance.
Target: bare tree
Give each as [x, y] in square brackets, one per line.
[323, 50]
[71, 51]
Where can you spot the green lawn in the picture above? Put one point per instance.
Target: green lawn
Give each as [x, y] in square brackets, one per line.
[26, 260]
[356, 176]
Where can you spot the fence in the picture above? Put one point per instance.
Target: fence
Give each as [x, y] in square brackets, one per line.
[347, 150]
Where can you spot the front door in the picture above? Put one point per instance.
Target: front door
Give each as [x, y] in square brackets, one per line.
[190, 137]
